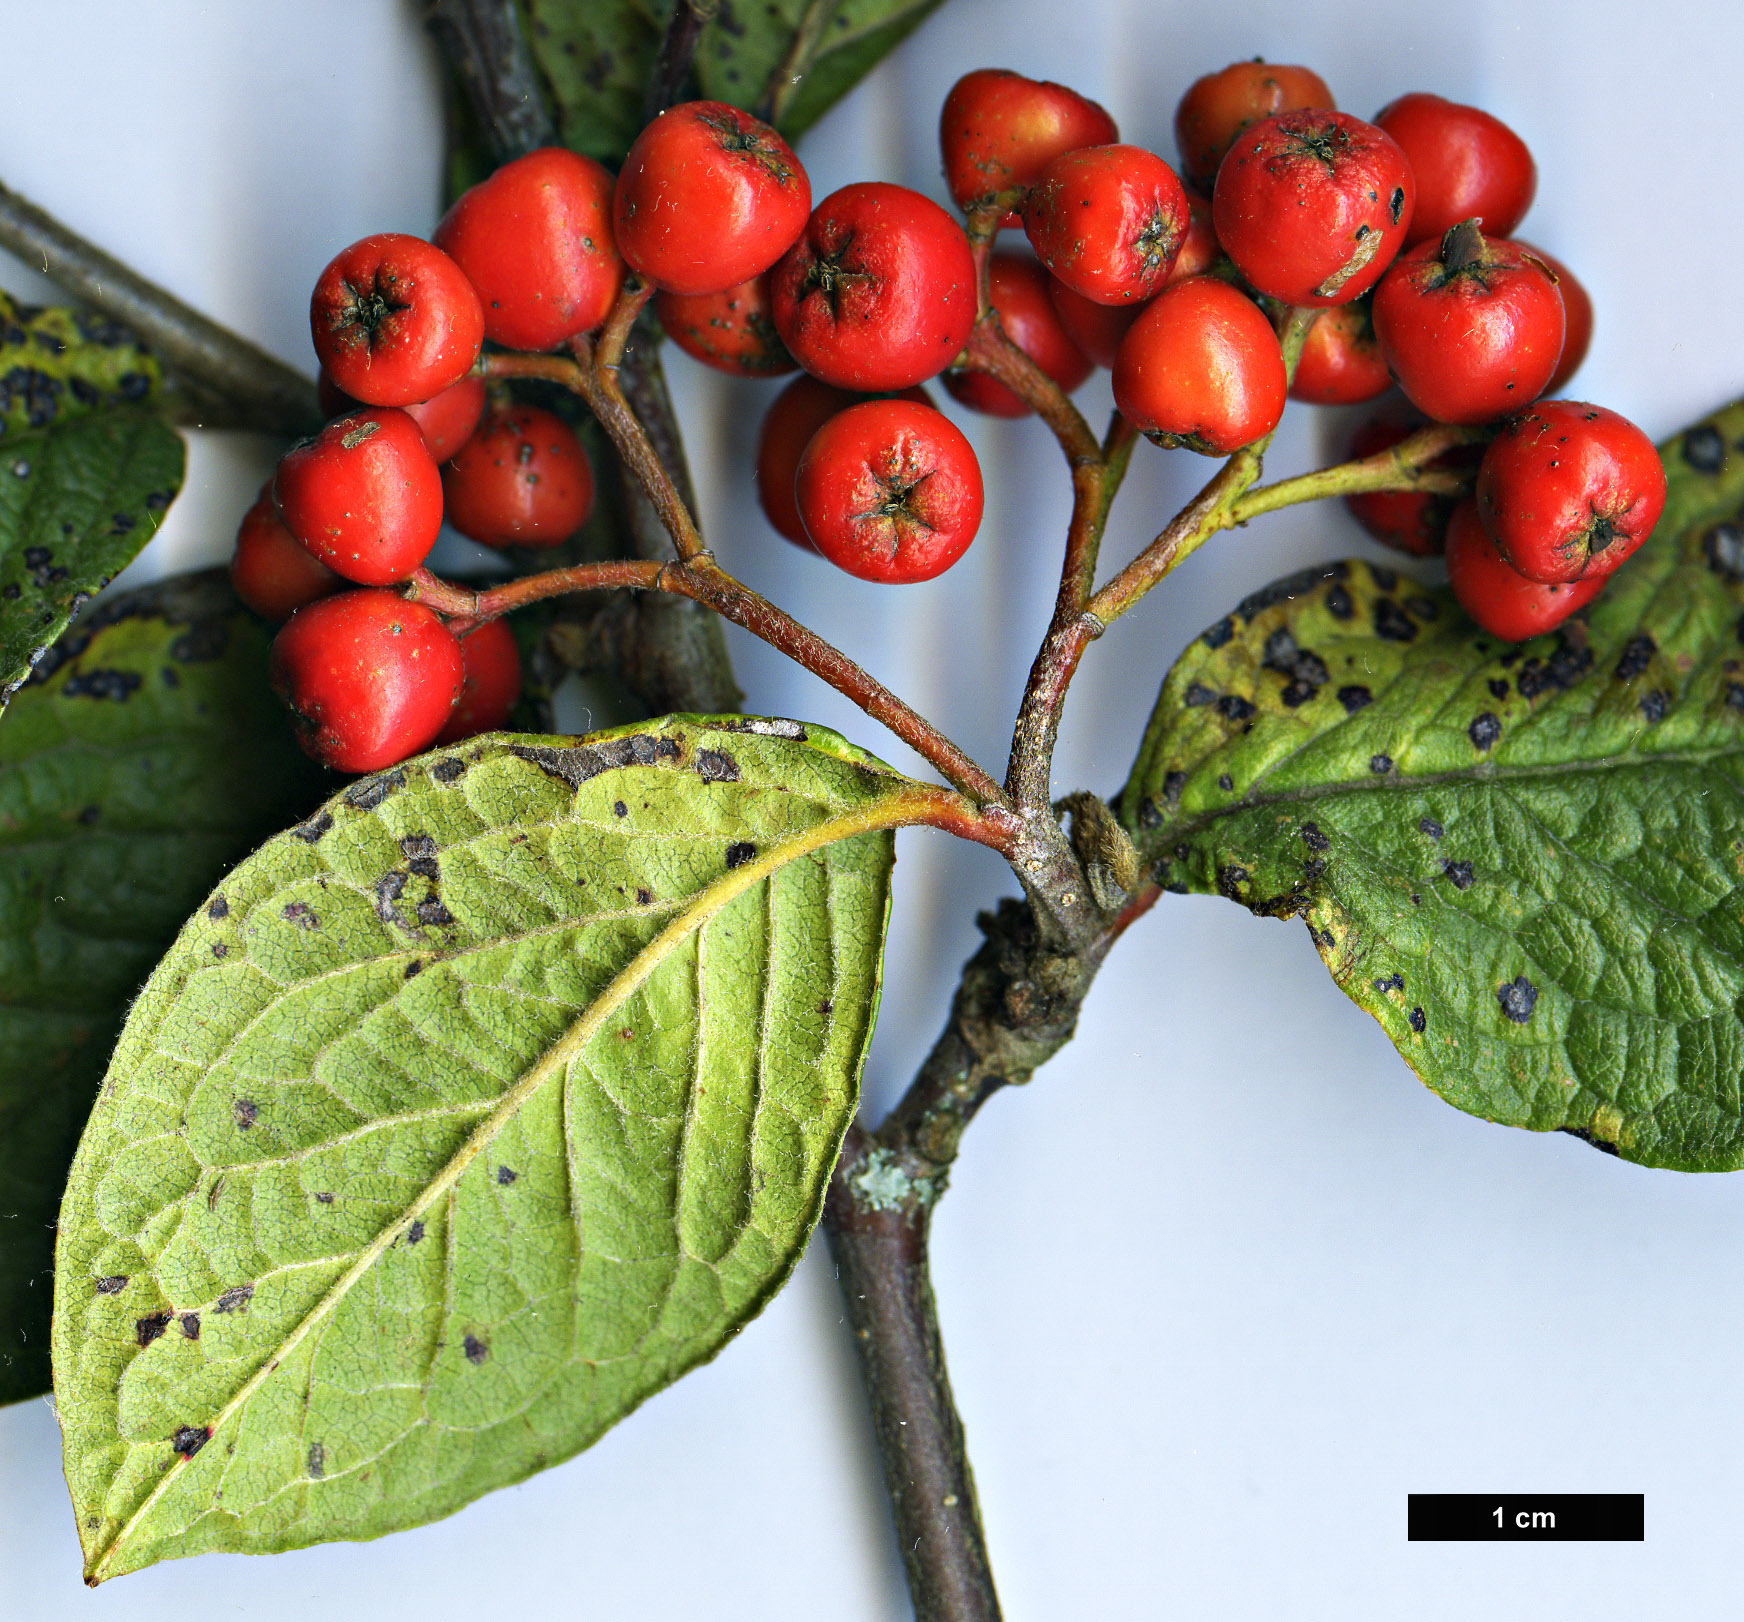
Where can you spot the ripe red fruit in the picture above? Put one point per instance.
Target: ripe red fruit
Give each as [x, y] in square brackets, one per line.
[794, 415]
[998, 130]
[708, 197]
[1200, 249]
[395, 320]
[1412, 521]
[522, 480]
[1220, 106]
[1018, 290]
[879, 291]
[272, 571]
[1108, 221]
[1095, 328]
[446, 422]
[535, 240]
[1577, 309]
[1501, 599]
[363, 495]
[491, 685]
[1467, 163]
[369, 677]
[890, 491]
[1201, 368]
[1313, 205]
[1341, 362]
[732, 331]
[1569, 490]
[1471, 328]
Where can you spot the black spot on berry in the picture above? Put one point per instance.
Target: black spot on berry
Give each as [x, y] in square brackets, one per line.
[1396, 203]
[153, 1324]
[1416, 1019]
[1380, 765]
[246, 1112]
[1459, 874]
[1704, 449]
[1484, 731]
[1653, 706]
[1637, 655]
[1354, 698]
[1314, 839]
[1518, 998]
[1428, 825]
[476, 1350]
[739, 854]
[189, 1439]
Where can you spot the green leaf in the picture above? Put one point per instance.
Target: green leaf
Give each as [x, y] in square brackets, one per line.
[598, 56]
[1527, 863]
[142, 759]
[78, 499]
[57, 364]
[460, 1120]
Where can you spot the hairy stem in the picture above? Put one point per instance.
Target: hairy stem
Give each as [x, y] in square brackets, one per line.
[257, 390]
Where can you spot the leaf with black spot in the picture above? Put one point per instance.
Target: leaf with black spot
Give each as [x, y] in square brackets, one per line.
[1546, 840]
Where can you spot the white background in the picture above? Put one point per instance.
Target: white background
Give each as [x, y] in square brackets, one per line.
[1225, 1283]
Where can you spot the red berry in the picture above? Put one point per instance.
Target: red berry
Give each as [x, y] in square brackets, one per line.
[363, 495]
[1502, 600]
[522, 480]
[794, 415]
[1312, 206]
[1467, 163]
[732, 331]
[1471, 328]
[395, 320]
[1412, 521]
[1220, 106]
[879, 291]
[708, 197]
[1577, 308]
[1095, 328]
[370, 678]
[890, 491]
[272, 571]
[491, 686]
[1200, 249]
[535, 239]
[1568, 490]
[1201, 368]
[1108, 221]
[446, 422]
[1018, 290]
[1341, 363]
[998, 130]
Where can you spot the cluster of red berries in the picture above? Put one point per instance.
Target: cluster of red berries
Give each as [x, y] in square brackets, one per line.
[1397, 229]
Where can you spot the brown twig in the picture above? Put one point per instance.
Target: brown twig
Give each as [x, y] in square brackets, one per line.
[481, 41]
[677, 48]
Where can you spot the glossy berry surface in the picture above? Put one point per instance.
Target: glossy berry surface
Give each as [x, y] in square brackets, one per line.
[1201, 368]
[1341, 361]
[1472, 329]
[1577, 310]
[1569, 490]
[395, 320]
[1018, 290]
[890, 491]
[1411, 521]
[522, 480]
[369, 677]
[1501, 599]
[733, 331]
[879, 291]
[998, 130]
[1095, 328]
[708, 197]
[794, 415]
[1313, 206]
[271, 570]
[535, 240]
[1467, 163]
[1218, 107]
[446, 421]
[364, 495]
[1108, 221]
[490, 685]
